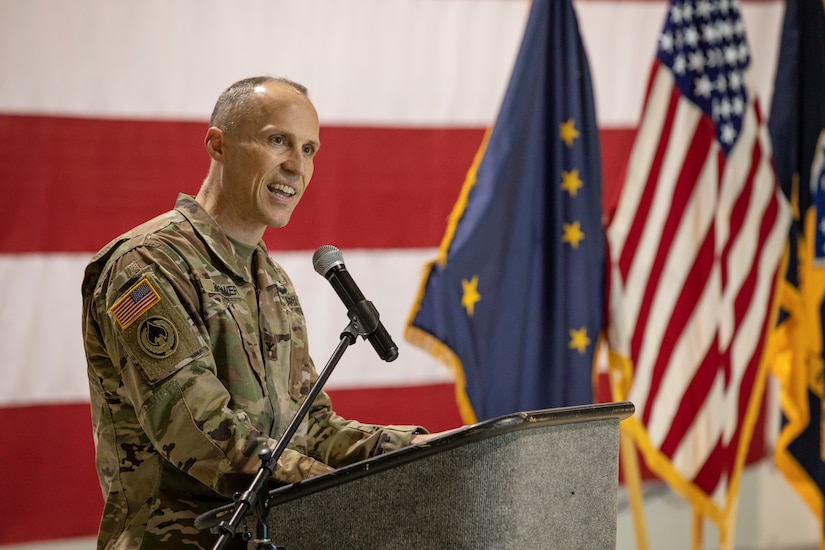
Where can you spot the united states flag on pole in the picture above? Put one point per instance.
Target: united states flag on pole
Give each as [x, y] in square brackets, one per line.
[695, 245]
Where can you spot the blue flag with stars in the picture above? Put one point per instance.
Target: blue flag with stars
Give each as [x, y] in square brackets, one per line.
[797, 125]
[513, 302]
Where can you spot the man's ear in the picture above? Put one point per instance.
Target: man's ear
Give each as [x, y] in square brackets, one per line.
[214, 143]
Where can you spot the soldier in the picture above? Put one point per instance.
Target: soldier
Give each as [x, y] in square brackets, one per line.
[195, 340]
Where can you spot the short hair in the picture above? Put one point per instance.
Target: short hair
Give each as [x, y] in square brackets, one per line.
[233, 104]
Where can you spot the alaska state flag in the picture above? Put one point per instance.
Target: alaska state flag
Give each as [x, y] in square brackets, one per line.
[797, 125]
[513, 302]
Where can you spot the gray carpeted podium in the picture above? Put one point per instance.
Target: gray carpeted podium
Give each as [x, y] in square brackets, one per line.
[543, 479]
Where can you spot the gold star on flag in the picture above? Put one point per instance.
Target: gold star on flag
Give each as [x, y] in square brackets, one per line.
[471, 295]
[568, 132]
[579, 340]
[570, 181]
[572, 234]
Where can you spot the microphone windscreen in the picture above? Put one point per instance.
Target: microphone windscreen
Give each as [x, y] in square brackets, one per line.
[325, 257]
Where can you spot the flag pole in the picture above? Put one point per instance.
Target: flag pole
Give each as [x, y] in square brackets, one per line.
[627, 447]
[698, 528]
[633, 483]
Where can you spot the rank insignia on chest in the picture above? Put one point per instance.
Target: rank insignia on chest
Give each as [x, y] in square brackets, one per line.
[136, 301]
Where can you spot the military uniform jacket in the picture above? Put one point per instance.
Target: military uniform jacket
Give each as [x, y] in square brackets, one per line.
[195, 362]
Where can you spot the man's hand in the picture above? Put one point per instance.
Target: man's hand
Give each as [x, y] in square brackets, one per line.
[421, 438]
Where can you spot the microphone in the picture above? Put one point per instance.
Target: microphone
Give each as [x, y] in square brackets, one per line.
[329, 263]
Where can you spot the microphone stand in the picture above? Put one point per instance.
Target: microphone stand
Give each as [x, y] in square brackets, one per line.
[257, 493]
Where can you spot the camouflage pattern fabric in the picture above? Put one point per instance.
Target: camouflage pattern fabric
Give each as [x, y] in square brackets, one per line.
[196, 360]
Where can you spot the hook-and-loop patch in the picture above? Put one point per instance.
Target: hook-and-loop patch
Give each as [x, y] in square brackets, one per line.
[134, 303]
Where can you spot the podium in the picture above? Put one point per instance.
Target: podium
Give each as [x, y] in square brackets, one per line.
[544, 479]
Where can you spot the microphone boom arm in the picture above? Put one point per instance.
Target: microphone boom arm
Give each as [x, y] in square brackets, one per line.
[258, 490]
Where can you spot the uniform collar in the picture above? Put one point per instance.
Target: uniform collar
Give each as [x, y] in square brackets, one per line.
[214, 237]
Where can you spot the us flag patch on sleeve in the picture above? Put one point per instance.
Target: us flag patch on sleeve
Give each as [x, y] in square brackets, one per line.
[136, 301]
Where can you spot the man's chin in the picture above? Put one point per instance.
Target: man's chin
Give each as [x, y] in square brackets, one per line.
[278, 222]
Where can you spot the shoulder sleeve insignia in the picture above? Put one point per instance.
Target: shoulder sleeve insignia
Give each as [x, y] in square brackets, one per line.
[134, 303]
[157, 335]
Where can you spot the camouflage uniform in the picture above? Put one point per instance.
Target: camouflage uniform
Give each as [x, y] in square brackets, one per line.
[195, 362]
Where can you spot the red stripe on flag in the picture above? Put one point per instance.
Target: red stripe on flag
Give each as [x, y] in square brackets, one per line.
[710, 473]
[41, 502]
[105, 176]
[432, 406]
[54, 492]
[373, 187]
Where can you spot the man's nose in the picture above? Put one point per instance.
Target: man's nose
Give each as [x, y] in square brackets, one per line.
[295, 162]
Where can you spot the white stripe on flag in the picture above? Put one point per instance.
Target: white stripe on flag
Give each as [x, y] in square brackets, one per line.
[440, 62]
[43, 354]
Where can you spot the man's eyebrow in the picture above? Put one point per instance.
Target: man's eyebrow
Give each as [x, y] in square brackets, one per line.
[271, 128]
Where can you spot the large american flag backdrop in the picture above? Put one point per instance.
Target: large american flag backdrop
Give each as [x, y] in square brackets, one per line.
[103, 107]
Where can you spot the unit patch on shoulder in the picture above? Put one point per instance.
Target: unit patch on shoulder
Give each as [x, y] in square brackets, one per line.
[158, 337]
[134, 303]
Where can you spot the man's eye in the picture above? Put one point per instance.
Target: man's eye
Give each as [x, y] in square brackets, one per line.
[309, 150]
[277, 140]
